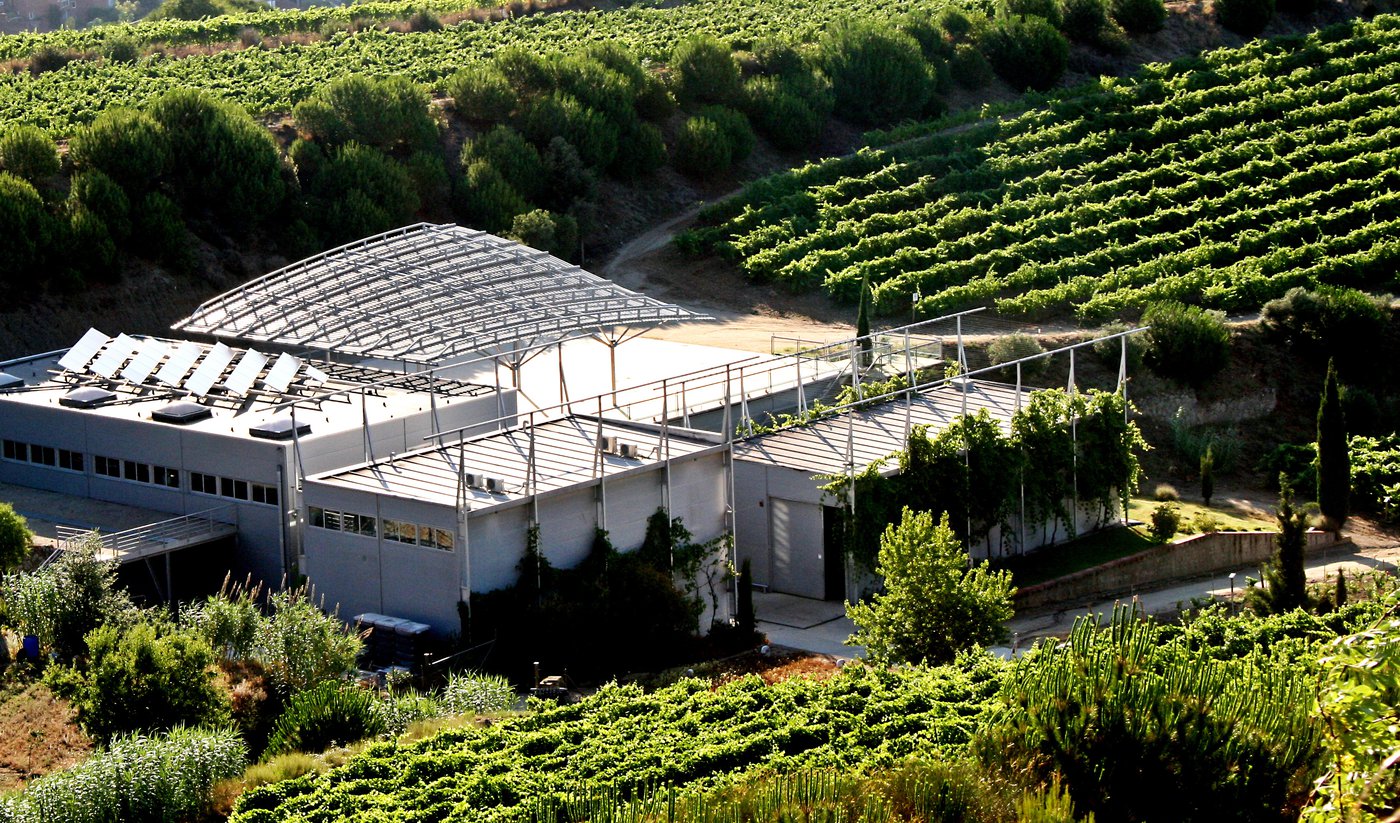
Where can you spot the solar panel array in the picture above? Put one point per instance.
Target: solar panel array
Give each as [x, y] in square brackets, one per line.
[137, 360]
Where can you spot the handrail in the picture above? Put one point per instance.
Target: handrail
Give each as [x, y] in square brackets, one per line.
[160, 534]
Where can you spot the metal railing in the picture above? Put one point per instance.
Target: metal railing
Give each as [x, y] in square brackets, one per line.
[155, 538]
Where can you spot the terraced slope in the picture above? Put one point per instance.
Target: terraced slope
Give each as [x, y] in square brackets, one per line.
[1223, 180]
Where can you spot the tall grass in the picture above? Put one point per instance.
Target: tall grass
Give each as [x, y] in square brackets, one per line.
[477, 693]
[164, 779]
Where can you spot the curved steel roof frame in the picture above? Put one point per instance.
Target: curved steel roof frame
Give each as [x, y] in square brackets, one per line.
[426, 293]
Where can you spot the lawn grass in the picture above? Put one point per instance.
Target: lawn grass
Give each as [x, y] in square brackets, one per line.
[1110, 544]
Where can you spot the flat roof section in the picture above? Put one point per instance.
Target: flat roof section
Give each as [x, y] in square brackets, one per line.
[565, 454]
[426, 294]
[878, 431]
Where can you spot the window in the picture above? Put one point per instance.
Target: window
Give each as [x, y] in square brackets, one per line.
[417, 535]
[163, 476]
[72, 461]
[264, 494]
[107, 466]
[204, 483]
[331, 520]
[15, 450]
[42, 455]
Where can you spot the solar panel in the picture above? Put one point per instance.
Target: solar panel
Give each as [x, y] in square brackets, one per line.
[210, 370]
[315, 375]
[83, 351]
[152, 352]
[179, 363]
[115, 355]
[246, 372]
[279, 377]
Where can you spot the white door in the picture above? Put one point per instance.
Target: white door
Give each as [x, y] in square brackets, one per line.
[798, 567]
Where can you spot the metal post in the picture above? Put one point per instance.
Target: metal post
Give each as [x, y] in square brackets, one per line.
[364, 426]
[663, 448]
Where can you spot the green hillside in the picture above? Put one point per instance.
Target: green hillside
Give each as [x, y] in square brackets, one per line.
[1223, 180]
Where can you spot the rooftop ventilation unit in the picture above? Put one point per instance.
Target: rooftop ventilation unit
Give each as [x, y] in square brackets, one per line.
[607, 444]
[9, 381]
[629, 450]
[182, 414]
[87, 397]
[280, 428]
[495, 485]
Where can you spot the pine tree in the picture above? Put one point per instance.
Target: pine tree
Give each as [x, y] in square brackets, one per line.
[1333, 457]
[1285, 575]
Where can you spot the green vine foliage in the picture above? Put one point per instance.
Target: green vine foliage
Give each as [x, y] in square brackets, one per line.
[976, 472]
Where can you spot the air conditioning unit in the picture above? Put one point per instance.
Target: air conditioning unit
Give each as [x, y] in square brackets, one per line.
[631, 450]
[607, 444]
[474, 481]
[495, 485]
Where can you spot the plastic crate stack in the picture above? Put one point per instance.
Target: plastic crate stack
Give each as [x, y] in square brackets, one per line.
[393, 641]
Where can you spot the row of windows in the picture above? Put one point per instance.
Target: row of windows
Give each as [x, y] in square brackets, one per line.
[368, 526]
[140, 472]
[236, 489]
[137, 472]
[43, 455]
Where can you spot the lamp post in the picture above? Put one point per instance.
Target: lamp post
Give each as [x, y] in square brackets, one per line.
[1232, 591]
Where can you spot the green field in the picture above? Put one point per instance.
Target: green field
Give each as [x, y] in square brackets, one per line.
[1224, 180]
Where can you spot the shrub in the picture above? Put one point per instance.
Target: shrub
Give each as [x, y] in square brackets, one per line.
[654, 101]
[969, 67]
[1328, 321]
[878, 74]
[702, 147]
[49, 58]
[1048, 9]
[1138, 16]
[228, 621]
[1186, 343]
[220, 159]
[1296, 462]
[1244, 17]
[596, 85]
[158, 231]
[481, 92]
[300, 645]
[640, 151]
[1361, 410]
[121, 48]
[386, 113]
[1165, 492]
[1205, 523]
[1011, 347]
[569, 178]
[332, 712]
[775, 56]
[511, 155]
[22, 224]
[1166, 521]
[562, 115]
[307, 159]
[528, 71]
[91, 250]
[67, 599]
[477, 693]
[138, 778]
[428, 176]
[787, 119]
[98, 194]
[1110, 352]
[128, 146]
[362, 192]
[15, 538]
[736, 130]
[535, 229]
[147, 677]
[1083, 20]
[28, 153]
[1027, 52]
[705, 70]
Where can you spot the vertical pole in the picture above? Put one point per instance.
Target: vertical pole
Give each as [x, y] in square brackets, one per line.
[663, 446]
[563, 385]
[602, 473]
[855, 370]
[170, 588]
[801, 389]
[531, 481]
[1022, 524]
[364, 426]
[745, 421]
[432, 401]
[612, 364]
[908, 390]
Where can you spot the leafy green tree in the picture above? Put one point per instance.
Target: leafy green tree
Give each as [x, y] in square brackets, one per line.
[389, 114]
[1186, 343]
[15, 538]
[66, 599]
[1208, 474]
[360, 192]
[482, 93]
[487, 201]
[703, 147]
[1333, 457]
[511, 155]
[150, 676]
[1138, 16]
[28, 153]
[706, 70]
[96, 193]
[933, 604]
[878, 73]
[1027, 52]
[128, 146]
[24, 225]
[1285, 577]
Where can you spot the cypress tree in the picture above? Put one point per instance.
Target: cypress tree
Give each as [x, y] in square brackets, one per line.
[1285, 576]
[1207, 475]
[1333, 458]
[746, 615]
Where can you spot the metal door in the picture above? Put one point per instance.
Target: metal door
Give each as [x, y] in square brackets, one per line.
[798, 565]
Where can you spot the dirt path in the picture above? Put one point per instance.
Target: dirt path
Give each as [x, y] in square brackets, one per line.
[747, 315]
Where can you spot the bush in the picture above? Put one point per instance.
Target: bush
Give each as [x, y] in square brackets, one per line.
[569, 178]
[1244, 17]
[640, 151]
[332, 712]
[91, 250]
[128, 146]
[361, 192]
[23, 225]
[1083, 20]
[300, 646]
[67, 599]
[431, 183]
[28, 153]
[1296, 462]
[529, 71]
[228, 621]
[1361, 410]
[597, 86]
[1186, 343]
[705, 70]
[736, 130]
[702, 147]
[1011, 347]
[1329, 321]
[540, 229]
[562, 115]
[1048, 9]
[1166, 493]
[121, 48]
[138, 778]
[99, 195]
[477, 693]
[15, 538]
[1166, 521]
[969, 67]
[784, 117]
[482, 93]
[487, 201]
[388, 113]
[778, 57]
[1027, 52]
[220, 159]
[147, 677]
[511, 155]
[158, 231]
[1138, 16]
[1110, 352]
[878, 74]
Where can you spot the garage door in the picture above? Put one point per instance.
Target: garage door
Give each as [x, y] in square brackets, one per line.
[798, 567]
